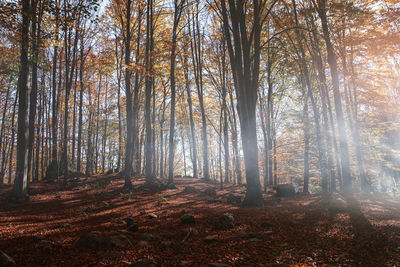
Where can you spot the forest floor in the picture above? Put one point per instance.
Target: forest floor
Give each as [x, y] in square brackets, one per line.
[299, 231]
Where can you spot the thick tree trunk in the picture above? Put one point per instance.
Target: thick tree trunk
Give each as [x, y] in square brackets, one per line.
[20, 189]
[332, 61]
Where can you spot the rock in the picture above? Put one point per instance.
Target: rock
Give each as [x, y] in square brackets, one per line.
[117, 239]
[266, 224]
[94, 240]
[147, 237]
[218, 264]
[145, 263]
[154, 186]
[89, 240]
[224, 222]
[6, 260]
[129, 221]
[187, 218]
[285, 190]
[190, 190]
[133, 228]
[233, 199]
[171, 186]
[152, 216]
[210, 238]
[166, 244]
[209, 192]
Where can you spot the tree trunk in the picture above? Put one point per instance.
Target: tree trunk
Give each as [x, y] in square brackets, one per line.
[332, 61]
[20, 189]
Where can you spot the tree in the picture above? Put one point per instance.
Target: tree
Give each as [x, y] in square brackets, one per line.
[20, 189]
[244, 50]
[178, 8]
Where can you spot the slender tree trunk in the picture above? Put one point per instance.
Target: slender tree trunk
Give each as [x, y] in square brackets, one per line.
[96, 138]
[82, 89]
[104, 139]
[3, 155]
[35, 33]
[198, 73]
[235, 143]
[191, 120]
[10, 163]
[177, 15]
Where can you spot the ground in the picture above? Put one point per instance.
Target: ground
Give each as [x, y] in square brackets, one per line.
[306, 230]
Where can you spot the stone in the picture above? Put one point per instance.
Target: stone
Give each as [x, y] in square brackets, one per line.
[266, 224]
[210, 192]
[285, 190]
[190, 190]
[187, 218]
[152, 216]
[89, 240]
[233, 199]
[93, 240]
[224, 222]
[166, 244]
[6, 260]
[129, 221]
[133, 228]
[171, 186]
[211, 238]
[145, 263]
[117, 239]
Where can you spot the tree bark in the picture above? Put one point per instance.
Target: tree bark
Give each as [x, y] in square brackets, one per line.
[20, 189]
